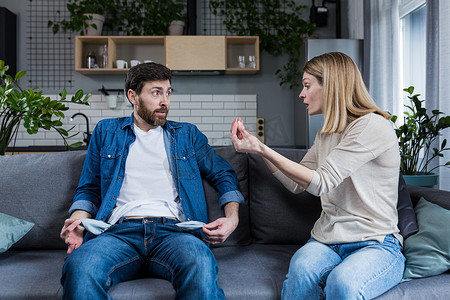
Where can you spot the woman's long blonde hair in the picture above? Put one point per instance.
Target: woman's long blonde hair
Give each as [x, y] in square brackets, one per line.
[344, 94]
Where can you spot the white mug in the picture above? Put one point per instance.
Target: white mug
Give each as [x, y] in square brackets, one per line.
[148, 61]
[134, 62]
[121, 64]
[112, 101]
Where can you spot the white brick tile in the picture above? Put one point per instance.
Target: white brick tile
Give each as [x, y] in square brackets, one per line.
[192, 120]
[201, 112]
[247, 112]
[224, 113]
[175, 105]
[180, 113]
[205, 127]
[180, 98]
[223, 98]
[112, 113]
[245, 98]
[234, 105]
[251, 105]
[213, 134]
[190, 105]
[221, 127]
[212, 120]
[212, 105]
[202, 98]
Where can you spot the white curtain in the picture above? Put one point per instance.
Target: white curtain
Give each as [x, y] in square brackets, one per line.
[382, 53]
[438, 66]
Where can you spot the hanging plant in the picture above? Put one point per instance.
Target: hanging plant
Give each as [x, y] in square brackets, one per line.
[278, 24]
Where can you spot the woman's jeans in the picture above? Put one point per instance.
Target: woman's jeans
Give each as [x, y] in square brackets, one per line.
[361, 270]
[133, 248]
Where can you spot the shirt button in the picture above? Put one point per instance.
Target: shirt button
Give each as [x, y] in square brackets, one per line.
[184, 157]
[109, 155]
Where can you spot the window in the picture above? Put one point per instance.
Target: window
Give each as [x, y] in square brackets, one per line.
[413, 43]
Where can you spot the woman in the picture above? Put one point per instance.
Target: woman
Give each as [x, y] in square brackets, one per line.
[354, 251]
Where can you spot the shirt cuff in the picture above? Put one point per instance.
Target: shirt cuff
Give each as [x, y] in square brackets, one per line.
[83, 205]
[231, 196]
[314, 186]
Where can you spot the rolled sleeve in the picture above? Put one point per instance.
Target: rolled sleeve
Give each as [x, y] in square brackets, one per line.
[231, 196]
[83, 205]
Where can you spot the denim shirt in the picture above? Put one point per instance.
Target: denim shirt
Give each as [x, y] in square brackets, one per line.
[190, 157]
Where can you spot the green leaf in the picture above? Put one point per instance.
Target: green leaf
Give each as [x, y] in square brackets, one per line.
[19, 75]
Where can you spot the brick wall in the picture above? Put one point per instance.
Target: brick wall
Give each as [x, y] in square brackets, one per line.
[212, 114]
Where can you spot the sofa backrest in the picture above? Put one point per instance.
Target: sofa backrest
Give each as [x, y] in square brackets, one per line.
[39, 188]
[278, 216]
[239, 162]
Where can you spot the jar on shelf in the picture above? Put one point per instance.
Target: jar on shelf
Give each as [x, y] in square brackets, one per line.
[90, 60]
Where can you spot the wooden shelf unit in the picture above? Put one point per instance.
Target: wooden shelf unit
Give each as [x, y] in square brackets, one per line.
[179, 53]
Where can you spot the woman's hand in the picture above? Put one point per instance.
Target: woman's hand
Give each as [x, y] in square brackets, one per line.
[243, 140]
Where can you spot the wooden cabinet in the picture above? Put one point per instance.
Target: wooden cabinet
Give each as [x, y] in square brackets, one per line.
[179, 53]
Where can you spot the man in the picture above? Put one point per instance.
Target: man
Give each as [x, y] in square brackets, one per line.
[142, 174]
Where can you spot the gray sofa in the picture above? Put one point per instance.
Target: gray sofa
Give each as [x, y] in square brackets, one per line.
[252, 263]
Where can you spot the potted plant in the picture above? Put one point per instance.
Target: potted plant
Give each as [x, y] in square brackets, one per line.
[277, 23]
[147, 17]
[86, 16]
[30, 107]
[175, 11]
[417, 137]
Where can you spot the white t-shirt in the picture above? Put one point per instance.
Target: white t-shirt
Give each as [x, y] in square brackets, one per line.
[148, 188]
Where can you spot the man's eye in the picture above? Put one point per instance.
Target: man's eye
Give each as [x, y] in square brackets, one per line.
[155, 93]
[168, 93]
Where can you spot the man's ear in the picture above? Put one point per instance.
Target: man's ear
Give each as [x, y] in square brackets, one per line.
[131, 96]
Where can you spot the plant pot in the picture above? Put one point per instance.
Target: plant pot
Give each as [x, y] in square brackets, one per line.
[426, 180]
[176, 27]
[98, 20]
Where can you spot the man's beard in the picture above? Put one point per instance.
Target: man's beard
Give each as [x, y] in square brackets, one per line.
[150, 116]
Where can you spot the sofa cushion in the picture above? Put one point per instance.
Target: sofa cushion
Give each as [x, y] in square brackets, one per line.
[277, 215]
[428, 251]
[297, 213]
[239, 162]
[11, 230]
[31, 274]
[407, 221]
[39, 188]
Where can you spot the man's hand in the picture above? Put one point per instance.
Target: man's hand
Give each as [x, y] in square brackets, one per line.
[72, 231]
[219, 230]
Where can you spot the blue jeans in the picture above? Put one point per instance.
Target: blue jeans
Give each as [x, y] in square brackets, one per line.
[142, 247]
[361, 270]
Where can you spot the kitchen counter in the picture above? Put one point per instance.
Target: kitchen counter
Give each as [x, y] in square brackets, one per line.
[41, 149]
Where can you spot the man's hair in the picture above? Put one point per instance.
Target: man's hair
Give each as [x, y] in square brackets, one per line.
[138, 75]
[344, 94]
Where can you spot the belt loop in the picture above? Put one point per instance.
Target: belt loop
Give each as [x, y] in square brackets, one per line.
[121, 220]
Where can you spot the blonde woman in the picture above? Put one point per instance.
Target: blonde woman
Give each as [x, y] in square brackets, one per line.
[355, 247]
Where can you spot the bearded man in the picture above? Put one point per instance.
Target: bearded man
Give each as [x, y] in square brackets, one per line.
[141, 181]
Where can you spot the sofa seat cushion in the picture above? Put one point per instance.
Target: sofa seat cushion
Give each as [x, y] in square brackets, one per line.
[430, 288]
[31, 274]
